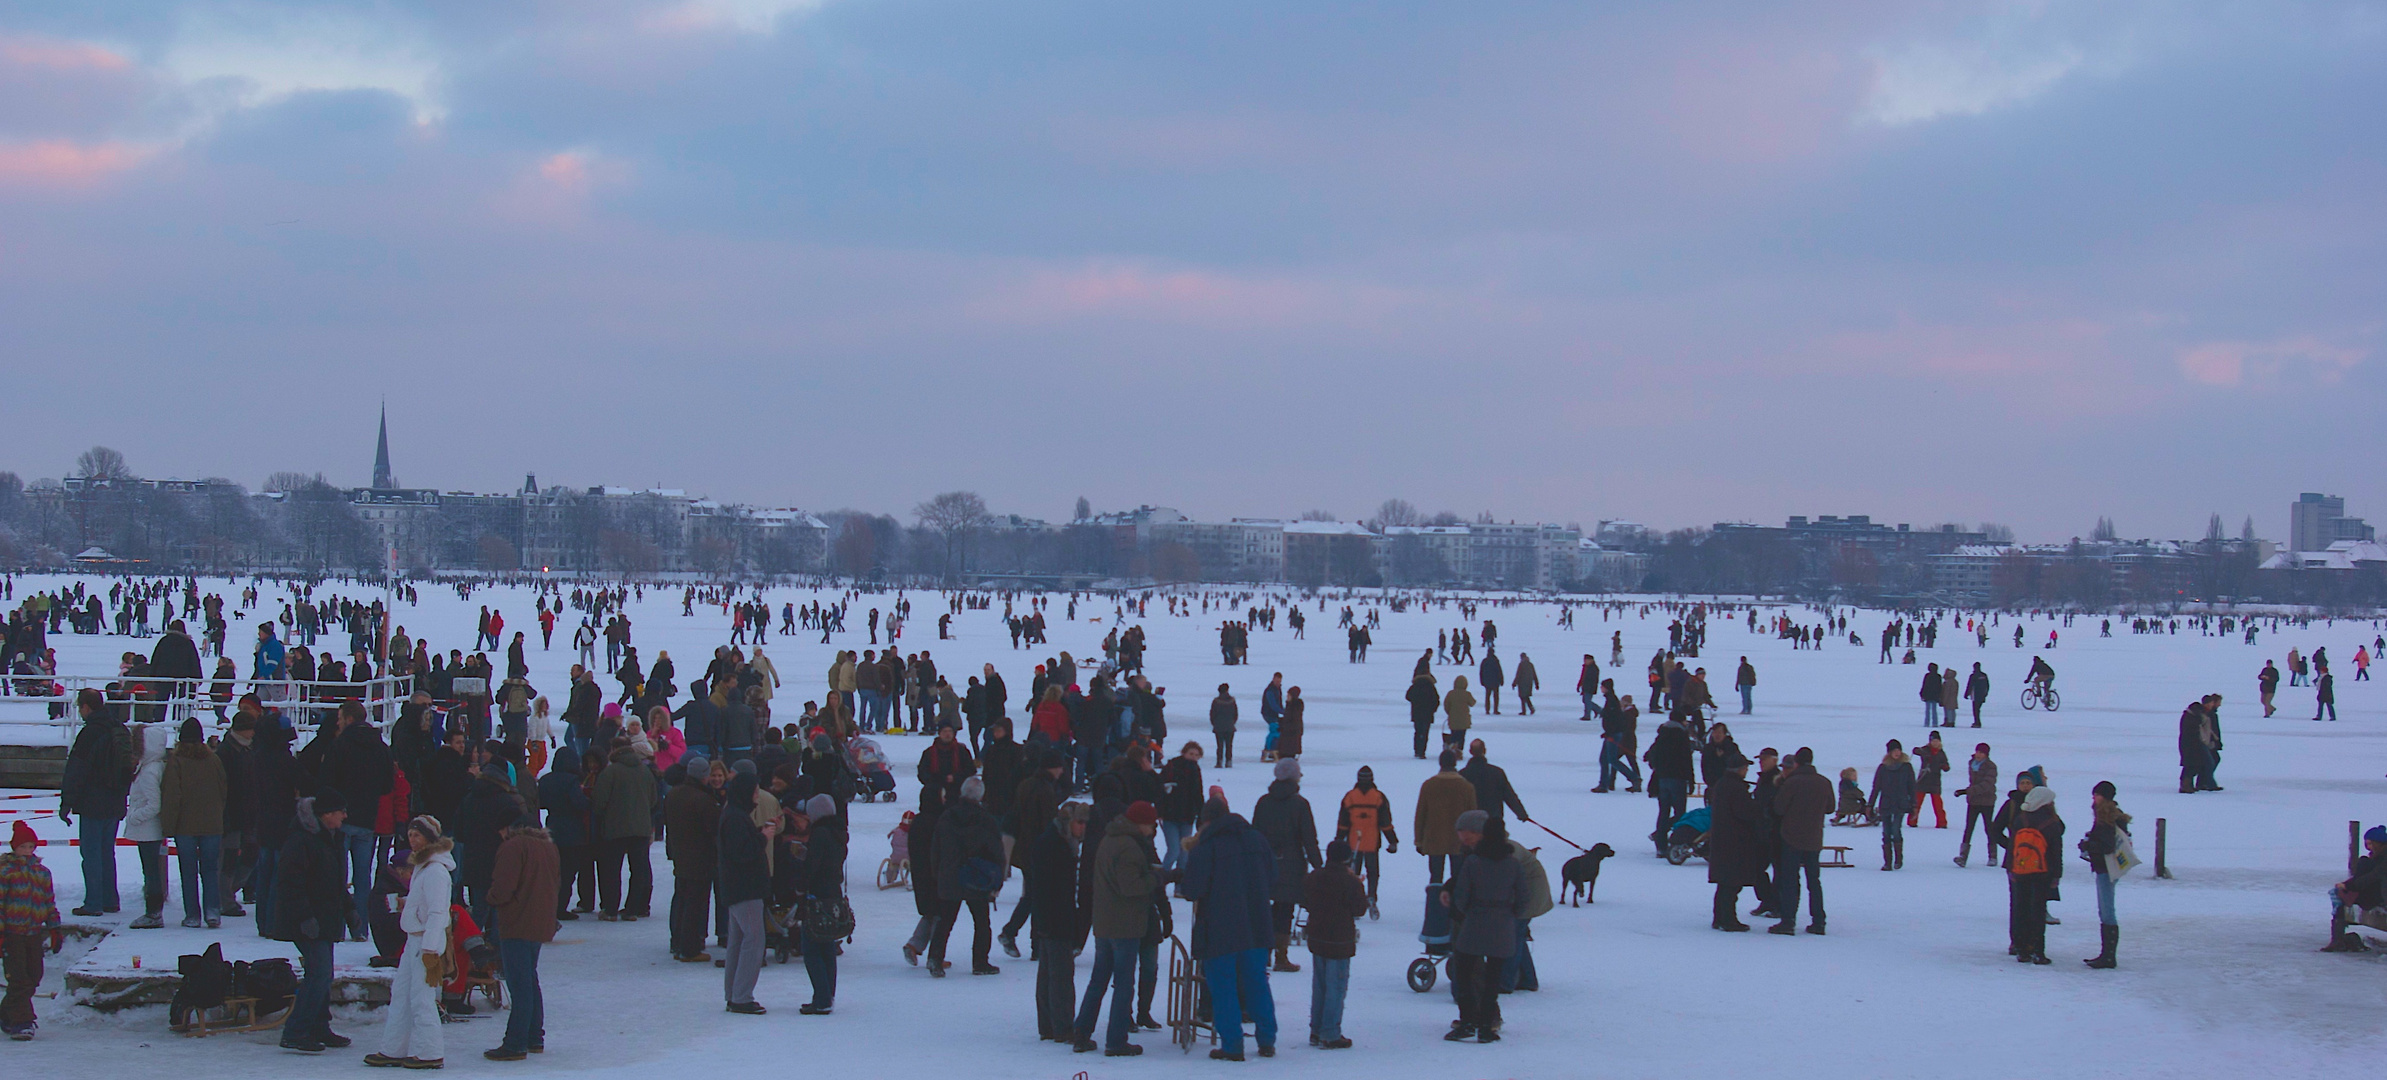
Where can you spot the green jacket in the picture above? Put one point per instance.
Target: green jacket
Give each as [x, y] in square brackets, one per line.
[623, 798]
[1123, 882]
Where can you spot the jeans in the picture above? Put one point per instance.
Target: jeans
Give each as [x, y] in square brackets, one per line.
[1114, 971]
[1056, 988]
[1615, 760]
[642, 876]
[1417, 744]
[1588, 705]
[239, 860]
[1330, 982]
[2105, 911]
[98, 835]
[311, 1009]
[1745, 703]
[526, 1013]
[1672, 794]
[153, 876]
[691, 902]
[820, 962]
[1239, 984]
[201, 860]
[1517, 972]
[1172, 841]
[1786, 885]
[359, 843]
[873, 710]
[1931, 714]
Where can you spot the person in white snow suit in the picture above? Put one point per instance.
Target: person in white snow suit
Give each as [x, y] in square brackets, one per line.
[410, 1037]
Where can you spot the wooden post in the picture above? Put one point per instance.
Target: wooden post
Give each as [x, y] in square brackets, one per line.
[2162, 829]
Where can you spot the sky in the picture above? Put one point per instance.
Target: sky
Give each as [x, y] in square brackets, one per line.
[2031, 262]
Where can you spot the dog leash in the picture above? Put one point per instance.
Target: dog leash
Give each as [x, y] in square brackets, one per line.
[1554, 832]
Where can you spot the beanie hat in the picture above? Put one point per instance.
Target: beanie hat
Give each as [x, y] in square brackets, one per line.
[1142, 813]
[190, 731]
[612, 711]
[329, 801]
[1338, 852]
[1288, 768]
[2038, 775]
[820, 806]
[742, 766]
[21, 833]
[697, 765]
[2104, 787]
[1980, 748]
[2376, 835]
[1473, 821]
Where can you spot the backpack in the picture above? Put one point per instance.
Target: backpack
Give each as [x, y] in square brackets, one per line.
[2029, 852]
[206, 982]
[1534, 899]
[980, 876]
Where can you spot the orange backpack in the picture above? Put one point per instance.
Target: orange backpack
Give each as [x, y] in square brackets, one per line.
[2029, 848]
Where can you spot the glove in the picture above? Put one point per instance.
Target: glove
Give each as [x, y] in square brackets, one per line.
[1392, 847]
[309, 929]
[57, 942]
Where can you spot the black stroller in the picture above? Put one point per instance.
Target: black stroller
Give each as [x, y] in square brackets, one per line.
[1436, 936]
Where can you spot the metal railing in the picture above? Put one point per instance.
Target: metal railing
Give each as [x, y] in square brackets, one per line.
[49, 700]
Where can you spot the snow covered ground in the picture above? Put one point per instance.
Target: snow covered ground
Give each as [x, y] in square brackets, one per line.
[2218, 969]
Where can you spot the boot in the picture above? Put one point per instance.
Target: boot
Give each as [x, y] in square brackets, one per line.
[1898, 855]
[1284, 959]
[2109, 936]
[1885, 853]
[1962, 854]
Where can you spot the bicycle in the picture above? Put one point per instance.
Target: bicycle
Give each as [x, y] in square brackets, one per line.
[2036, 695]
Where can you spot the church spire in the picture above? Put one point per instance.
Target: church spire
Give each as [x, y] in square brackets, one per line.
[381, 454]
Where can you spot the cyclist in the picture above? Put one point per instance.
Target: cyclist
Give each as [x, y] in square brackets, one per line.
[2042, 676]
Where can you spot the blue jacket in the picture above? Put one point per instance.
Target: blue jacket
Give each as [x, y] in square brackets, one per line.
[268, 662]
[1272, 703]
[566, 804]
[1230, 873]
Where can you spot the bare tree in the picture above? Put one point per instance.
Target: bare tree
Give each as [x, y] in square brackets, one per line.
[1084, 509]
[1396, 512]
[102, 463]
[288, 481]
[2104, 531]
[2213, 531]
[952, 516]
[2246, 531]
[1318, 515]
[1996, 533]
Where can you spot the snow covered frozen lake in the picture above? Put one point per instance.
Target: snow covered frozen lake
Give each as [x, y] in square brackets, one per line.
[2219, 970]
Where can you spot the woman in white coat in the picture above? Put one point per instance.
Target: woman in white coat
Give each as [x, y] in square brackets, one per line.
[143, 827]
[411, 1037]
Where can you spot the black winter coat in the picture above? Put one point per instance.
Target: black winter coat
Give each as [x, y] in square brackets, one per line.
[1283, 817]
[310, 885]
[1736, 835]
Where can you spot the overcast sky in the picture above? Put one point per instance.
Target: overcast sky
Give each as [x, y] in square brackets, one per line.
[1675, 262]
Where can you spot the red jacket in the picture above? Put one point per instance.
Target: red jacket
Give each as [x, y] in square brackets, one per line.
[1052, 721]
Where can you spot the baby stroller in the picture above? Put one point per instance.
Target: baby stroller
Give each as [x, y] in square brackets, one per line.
[1688, 835]
[1436, 936]
[875, 781]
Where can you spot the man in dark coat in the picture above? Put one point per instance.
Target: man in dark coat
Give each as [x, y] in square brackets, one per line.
[968, 852]
[1801, 802]
[1223, 714]
[1283, 816]
[1492, 789]
[1033, 802]
[1060, 920]
[359, 767]
[1669, 757]
[97, 784]
[691, 841]
[1486, 891]
[1424, 701]
[311, 905]
[566, 803]
[490, 807]
[1230, 876]
[1735, 842]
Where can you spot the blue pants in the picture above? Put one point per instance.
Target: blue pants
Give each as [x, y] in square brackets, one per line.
[2105, 911]
[820, 962]
[1745, 704]
[1672, 794]
[526, 1013]
[311, 1009]
[359, 842]
[1114, 970]
[1613, 761]
[1172, 839]
[1786, 885]
[1517, 973]
[98, 835]
[1330, 982]
[1238, 983]
[201, 860]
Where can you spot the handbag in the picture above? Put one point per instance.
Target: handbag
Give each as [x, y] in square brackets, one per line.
[828, 918]
[2123, 858]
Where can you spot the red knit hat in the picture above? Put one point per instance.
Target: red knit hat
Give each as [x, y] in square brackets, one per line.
[22, 834]
[1139, 811]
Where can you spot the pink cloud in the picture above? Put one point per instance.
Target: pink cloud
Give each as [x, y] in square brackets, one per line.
[1204, 297]
[2235, 363]
[60, 55]
[62, 163]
